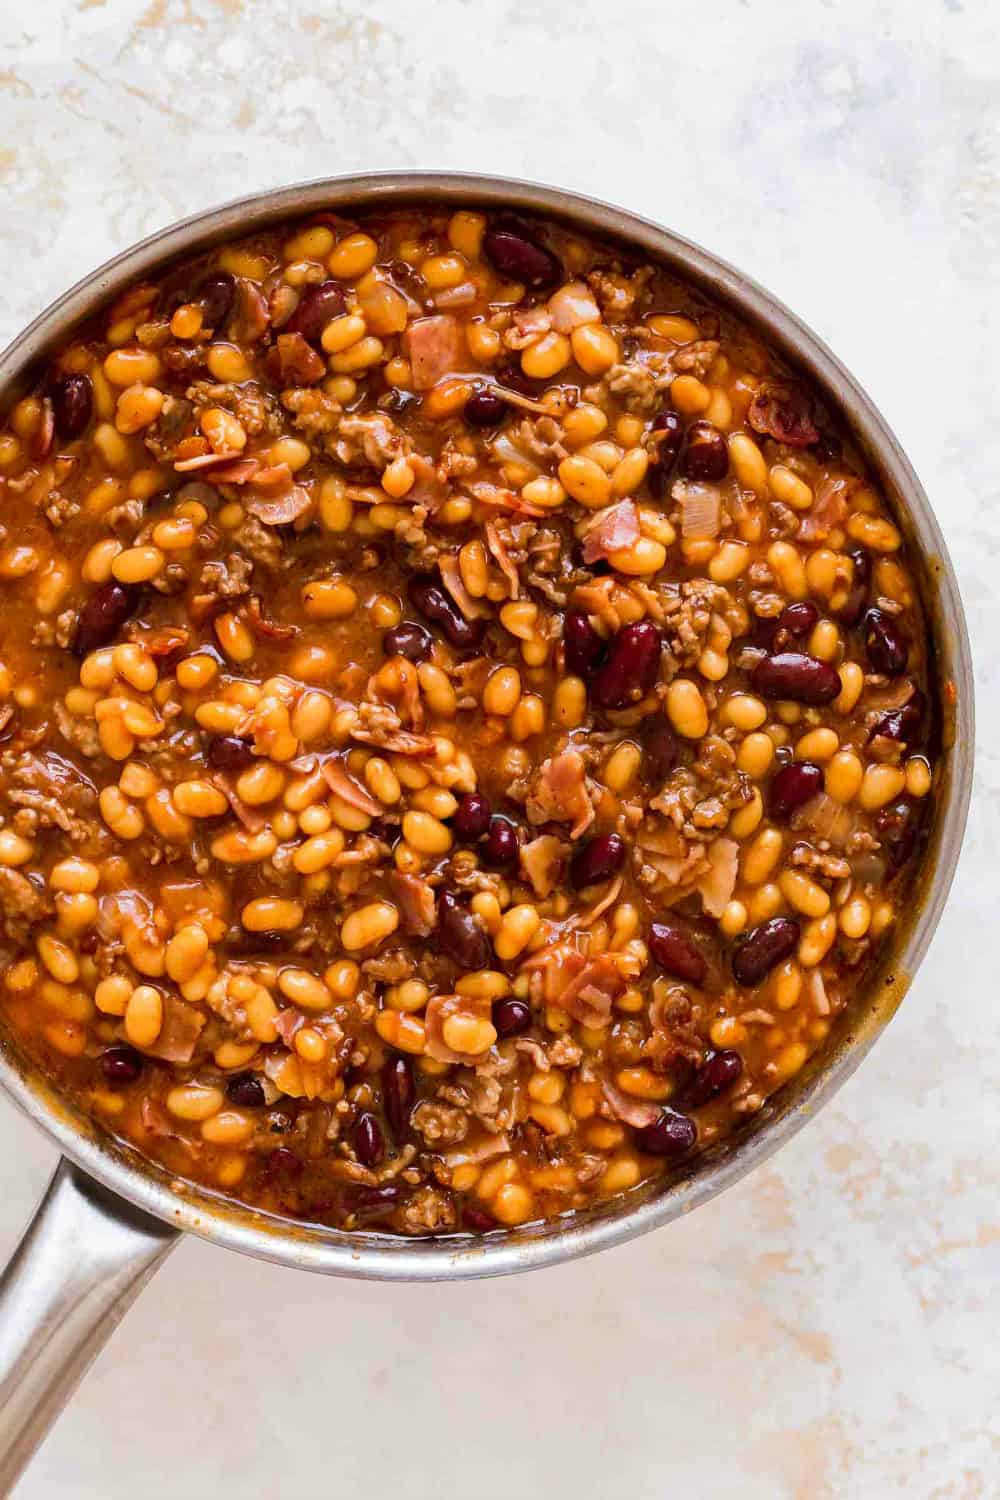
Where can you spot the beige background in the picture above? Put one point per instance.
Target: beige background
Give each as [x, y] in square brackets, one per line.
[828, 1328]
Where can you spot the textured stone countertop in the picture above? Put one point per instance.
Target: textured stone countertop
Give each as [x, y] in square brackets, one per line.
[827, 1328]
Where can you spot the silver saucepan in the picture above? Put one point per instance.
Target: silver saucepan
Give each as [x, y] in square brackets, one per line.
[109, 1217]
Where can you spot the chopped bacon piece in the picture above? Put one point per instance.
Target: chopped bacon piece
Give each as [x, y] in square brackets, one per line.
[374, 438]
[399, 741]
[160, 1126]
[559, 793]
[251, 319]
[456, 296]
[502, 558]
[294, 362]
[273, 477]
[827, 511]
[572, 306]
[592, 988]
[281, 510]
[161, 642]
[529, 324]
[217, 461]
[635, 1112]
[263, 628]
[434, 347]
[503, 499]
[543, 860]
[251, 818]
[535, 1051]
[182, 1026]
[343, 785]
[488, 1147]
[287, 1022]
[782, 409]
[415, 898]
[428, 488]
[611, 529]
[240, 471]
[589, 917]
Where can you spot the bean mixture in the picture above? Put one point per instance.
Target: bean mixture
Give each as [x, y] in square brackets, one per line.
[463, 721]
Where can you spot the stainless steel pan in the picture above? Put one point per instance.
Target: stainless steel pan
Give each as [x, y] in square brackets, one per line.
[109, 1217]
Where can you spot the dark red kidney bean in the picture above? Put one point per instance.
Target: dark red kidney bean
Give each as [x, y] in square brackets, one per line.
[515, 256]
[243, 943]
[673, 1134]
[886, 645]
[663, 455]
[399, 1094]
[764, 947]
[583, 648]
[397, 401]
[369, 1143]
[901, 725]
[717, 1074]
[72, 405]
[435, 605]
[661, 750]
[792, 787]
[853, 608]
[827, 446]
[460, 936]
[121, 1063]
[318, 306]
[246, 1091]
[407, 279]
[485, 409]
[369, 1203]
[227, 752]
[764, 634]
[706, 456]
[383, 829]
[797, 677]
[501, 849]
[283, 1162]
[408, 639]
[477, 1220]
[471, 818]
[798, 619]
[103, 616]
[598, 860]
[632, 666]
[509, 373]
[216, 295]
[510, 1017]
[897, 826]
[674, 950]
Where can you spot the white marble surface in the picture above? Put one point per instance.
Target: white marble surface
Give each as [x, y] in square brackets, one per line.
[827, 1328]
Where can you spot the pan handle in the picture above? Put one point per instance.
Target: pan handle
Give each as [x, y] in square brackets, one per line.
[84, 1258]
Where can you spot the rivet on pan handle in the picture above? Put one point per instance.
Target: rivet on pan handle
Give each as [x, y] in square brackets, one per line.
[84, 1258]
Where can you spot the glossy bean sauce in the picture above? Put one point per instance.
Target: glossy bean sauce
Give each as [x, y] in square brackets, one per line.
[464, 721]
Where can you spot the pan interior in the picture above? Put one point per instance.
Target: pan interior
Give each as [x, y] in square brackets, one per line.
[190, 1207]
